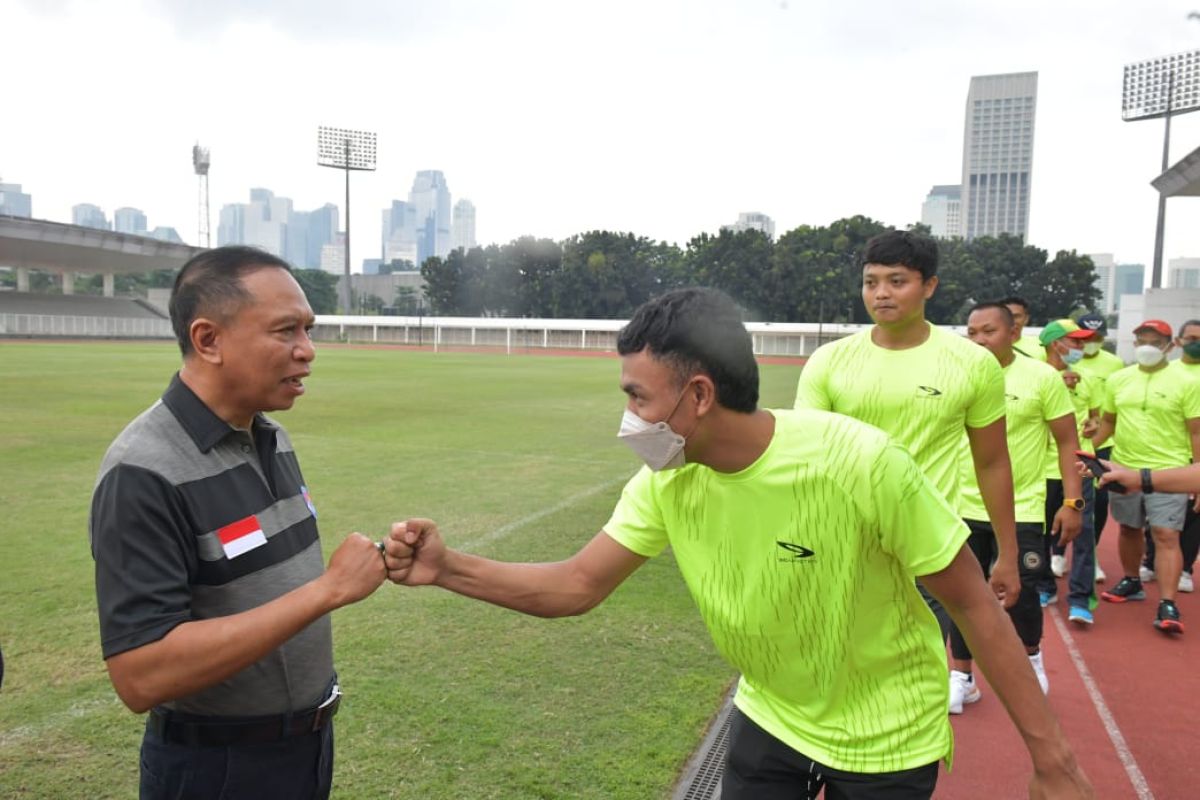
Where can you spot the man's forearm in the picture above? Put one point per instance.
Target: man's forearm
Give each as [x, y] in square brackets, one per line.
[995, 484]
[541, 590]
[201, 653]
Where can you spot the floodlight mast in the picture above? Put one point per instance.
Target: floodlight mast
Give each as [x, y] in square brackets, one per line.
[1161, 87]
[347, 150]
[200, 164]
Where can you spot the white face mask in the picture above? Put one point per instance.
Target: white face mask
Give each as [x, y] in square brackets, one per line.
[1148, 355]
[1091, 348]
[654, 442]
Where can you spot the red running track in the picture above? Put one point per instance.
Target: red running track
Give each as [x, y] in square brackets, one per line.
[1144, 743]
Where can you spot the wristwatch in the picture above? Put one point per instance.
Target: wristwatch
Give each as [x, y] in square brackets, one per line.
[1073, 502]
[1147, 484]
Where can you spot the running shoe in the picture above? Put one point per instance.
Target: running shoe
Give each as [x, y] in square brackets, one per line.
[1145, 574]
[1185, 582]
[1039, 669]
[1167, 620]
[1126, 589]
[1080, 615]
[963, 691]
[1047, 599]
[1100, 576]
[1058, 565]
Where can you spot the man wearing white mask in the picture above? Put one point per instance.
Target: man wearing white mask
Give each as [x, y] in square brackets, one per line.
[799, 535]
[1153, 415]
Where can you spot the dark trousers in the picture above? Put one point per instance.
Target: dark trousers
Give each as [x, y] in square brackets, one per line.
[1026, 613]
[760, 767]
[1081, 582]
[1189, 542]
[1101, 515]
[298, 768]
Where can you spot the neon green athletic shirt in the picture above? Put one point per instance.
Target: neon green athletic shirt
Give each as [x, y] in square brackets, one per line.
[1099, 367]
[1030, 346]
[1152, 411]
[923, 396]
[1084, 397]
[803, 567]
[1034, 394]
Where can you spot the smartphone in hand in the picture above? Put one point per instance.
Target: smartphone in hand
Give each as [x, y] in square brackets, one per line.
[1098, 469]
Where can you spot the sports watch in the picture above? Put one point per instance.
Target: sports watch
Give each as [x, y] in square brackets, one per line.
[1073, 502]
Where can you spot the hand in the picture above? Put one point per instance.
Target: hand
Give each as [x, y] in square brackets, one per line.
[1090, 426]
[1067, 524]
[355, 569]
[416, 554]
[1071, 379]
[1006, 581]
[1064, 783]
[1131, 479]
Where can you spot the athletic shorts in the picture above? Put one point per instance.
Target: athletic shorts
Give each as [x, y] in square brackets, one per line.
[1160, 509]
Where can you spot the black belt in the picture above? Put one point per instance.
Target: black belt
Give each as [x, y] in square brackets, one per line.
[198, 731]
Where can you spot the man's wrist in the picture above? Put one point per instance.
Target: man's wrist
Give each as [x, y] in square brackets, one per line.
[1147, 481]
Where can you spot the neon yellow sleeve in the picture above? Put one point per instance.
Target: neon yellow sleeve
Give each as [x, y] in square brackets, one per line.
[812, 390]
[988, 404]
[637, 522]
[1056, 400]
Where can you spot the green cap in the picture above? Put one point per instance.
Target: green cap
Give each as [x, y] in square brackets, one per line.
[1060, 328]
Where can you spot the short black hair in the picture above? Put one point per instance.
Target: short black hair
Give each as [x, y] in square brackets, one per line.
[998, 305]
[698, 331]
[1179, 331]
[210, 284]
[1016, 301]
[907, 248]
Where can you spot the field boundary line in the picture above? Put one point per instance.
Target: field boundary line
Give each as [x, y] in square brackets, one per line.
[1140, 785]
[504, 530]
[34, 730]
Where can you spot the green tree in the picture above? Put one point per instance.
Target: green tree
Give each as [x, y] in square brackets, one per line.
[737, 263]
[320, 288]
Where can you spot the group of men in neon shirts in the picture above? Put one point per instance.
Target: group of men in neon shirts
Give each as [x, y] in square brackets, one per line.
[1062, 392]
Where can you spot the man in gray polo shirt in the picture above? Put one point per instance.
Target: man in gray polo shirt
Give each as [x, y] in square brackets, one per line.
[211, 587]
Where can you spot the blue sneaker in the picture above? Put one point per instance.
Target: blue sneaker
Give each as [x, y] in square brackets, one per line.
[1080, 615]
[1047, 599]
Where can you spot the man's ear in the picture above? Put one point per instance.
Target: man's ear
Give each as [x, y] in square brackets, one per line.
[205, 335]
[705, 392]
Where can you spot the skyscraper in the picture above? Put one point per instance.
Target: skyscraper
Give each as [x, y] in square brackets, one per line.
[14, 202]
[942, 211]
[430, 196]
[272, 223]
[129, 220]
[399, 239]
[998, 154]
[753, 221]
[463, 228]
[89, 216]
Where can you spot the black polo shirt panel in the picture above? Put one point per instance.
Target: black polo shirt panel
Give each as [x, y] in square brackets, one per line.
[187, 523]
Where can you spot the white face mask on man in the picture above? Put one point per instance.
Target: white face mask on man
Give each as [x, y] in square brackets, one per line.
[656, 443]
[1148, 355]
[1091, 348]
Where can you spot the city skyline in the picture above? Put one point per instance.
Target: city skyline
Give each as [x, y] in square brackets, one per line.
[526, 142]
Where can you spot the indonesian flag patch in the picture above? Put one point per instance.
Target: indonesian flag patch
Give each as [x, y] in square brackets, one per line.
[312, 509]
[241, 536]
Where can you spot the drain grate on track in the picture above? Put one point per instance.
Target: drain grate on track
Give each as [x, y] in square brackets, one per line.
[702, 776]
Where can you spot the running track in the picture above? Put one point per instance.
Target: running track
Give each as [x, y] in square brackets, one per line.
[1146, 682]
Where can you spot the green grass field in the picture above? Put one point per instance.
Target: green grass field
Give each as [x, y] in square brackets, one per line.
[516, 457]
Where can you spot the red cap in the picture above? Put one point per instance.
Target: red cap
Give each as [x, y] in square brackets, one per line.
[1082, 333]
[1155, 325]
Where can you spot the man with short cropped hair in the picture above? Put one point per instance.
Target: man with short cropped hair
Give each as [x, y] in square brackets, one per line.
[799, 534]
[1153, 414]
[213, 596]
[1025, 345]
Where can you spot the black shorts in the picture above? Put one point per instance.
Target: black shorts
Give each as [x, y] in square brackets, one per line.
[760, 767]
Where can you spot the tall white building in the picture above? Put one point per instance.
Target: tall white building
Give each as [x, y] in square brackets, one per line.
[14, 202]
[1183, 273]
[997, 168]
[333, 255]
[89, 216]
[1117, 280]
[942, 211]
[753, 221]
[129, 220]
[463, 228]
[271, 223]
[430, 196]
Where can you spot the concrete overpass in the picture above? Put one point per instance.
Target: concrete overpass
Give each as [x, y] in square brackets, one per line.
[68, 250]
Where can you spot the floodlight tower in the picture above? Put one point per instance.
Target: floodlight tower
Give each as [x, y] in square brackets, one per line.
[346, 149]
[200, 162]
[1161, 87]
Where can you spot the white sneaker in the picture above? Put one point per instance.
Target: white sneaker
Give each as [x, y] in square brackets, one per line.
[962, 690]
[1100, 576]
[1146, 575]
[1185, 583]
[1058, 565]
[1039, 669]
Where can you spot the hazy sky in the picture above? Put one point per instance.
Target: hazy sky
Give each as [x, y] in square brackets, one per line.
[665, 118]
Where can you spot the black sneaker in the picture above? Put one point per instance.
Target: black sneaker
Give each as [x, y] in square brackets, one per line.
[1127, 589]
[1168, 618]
